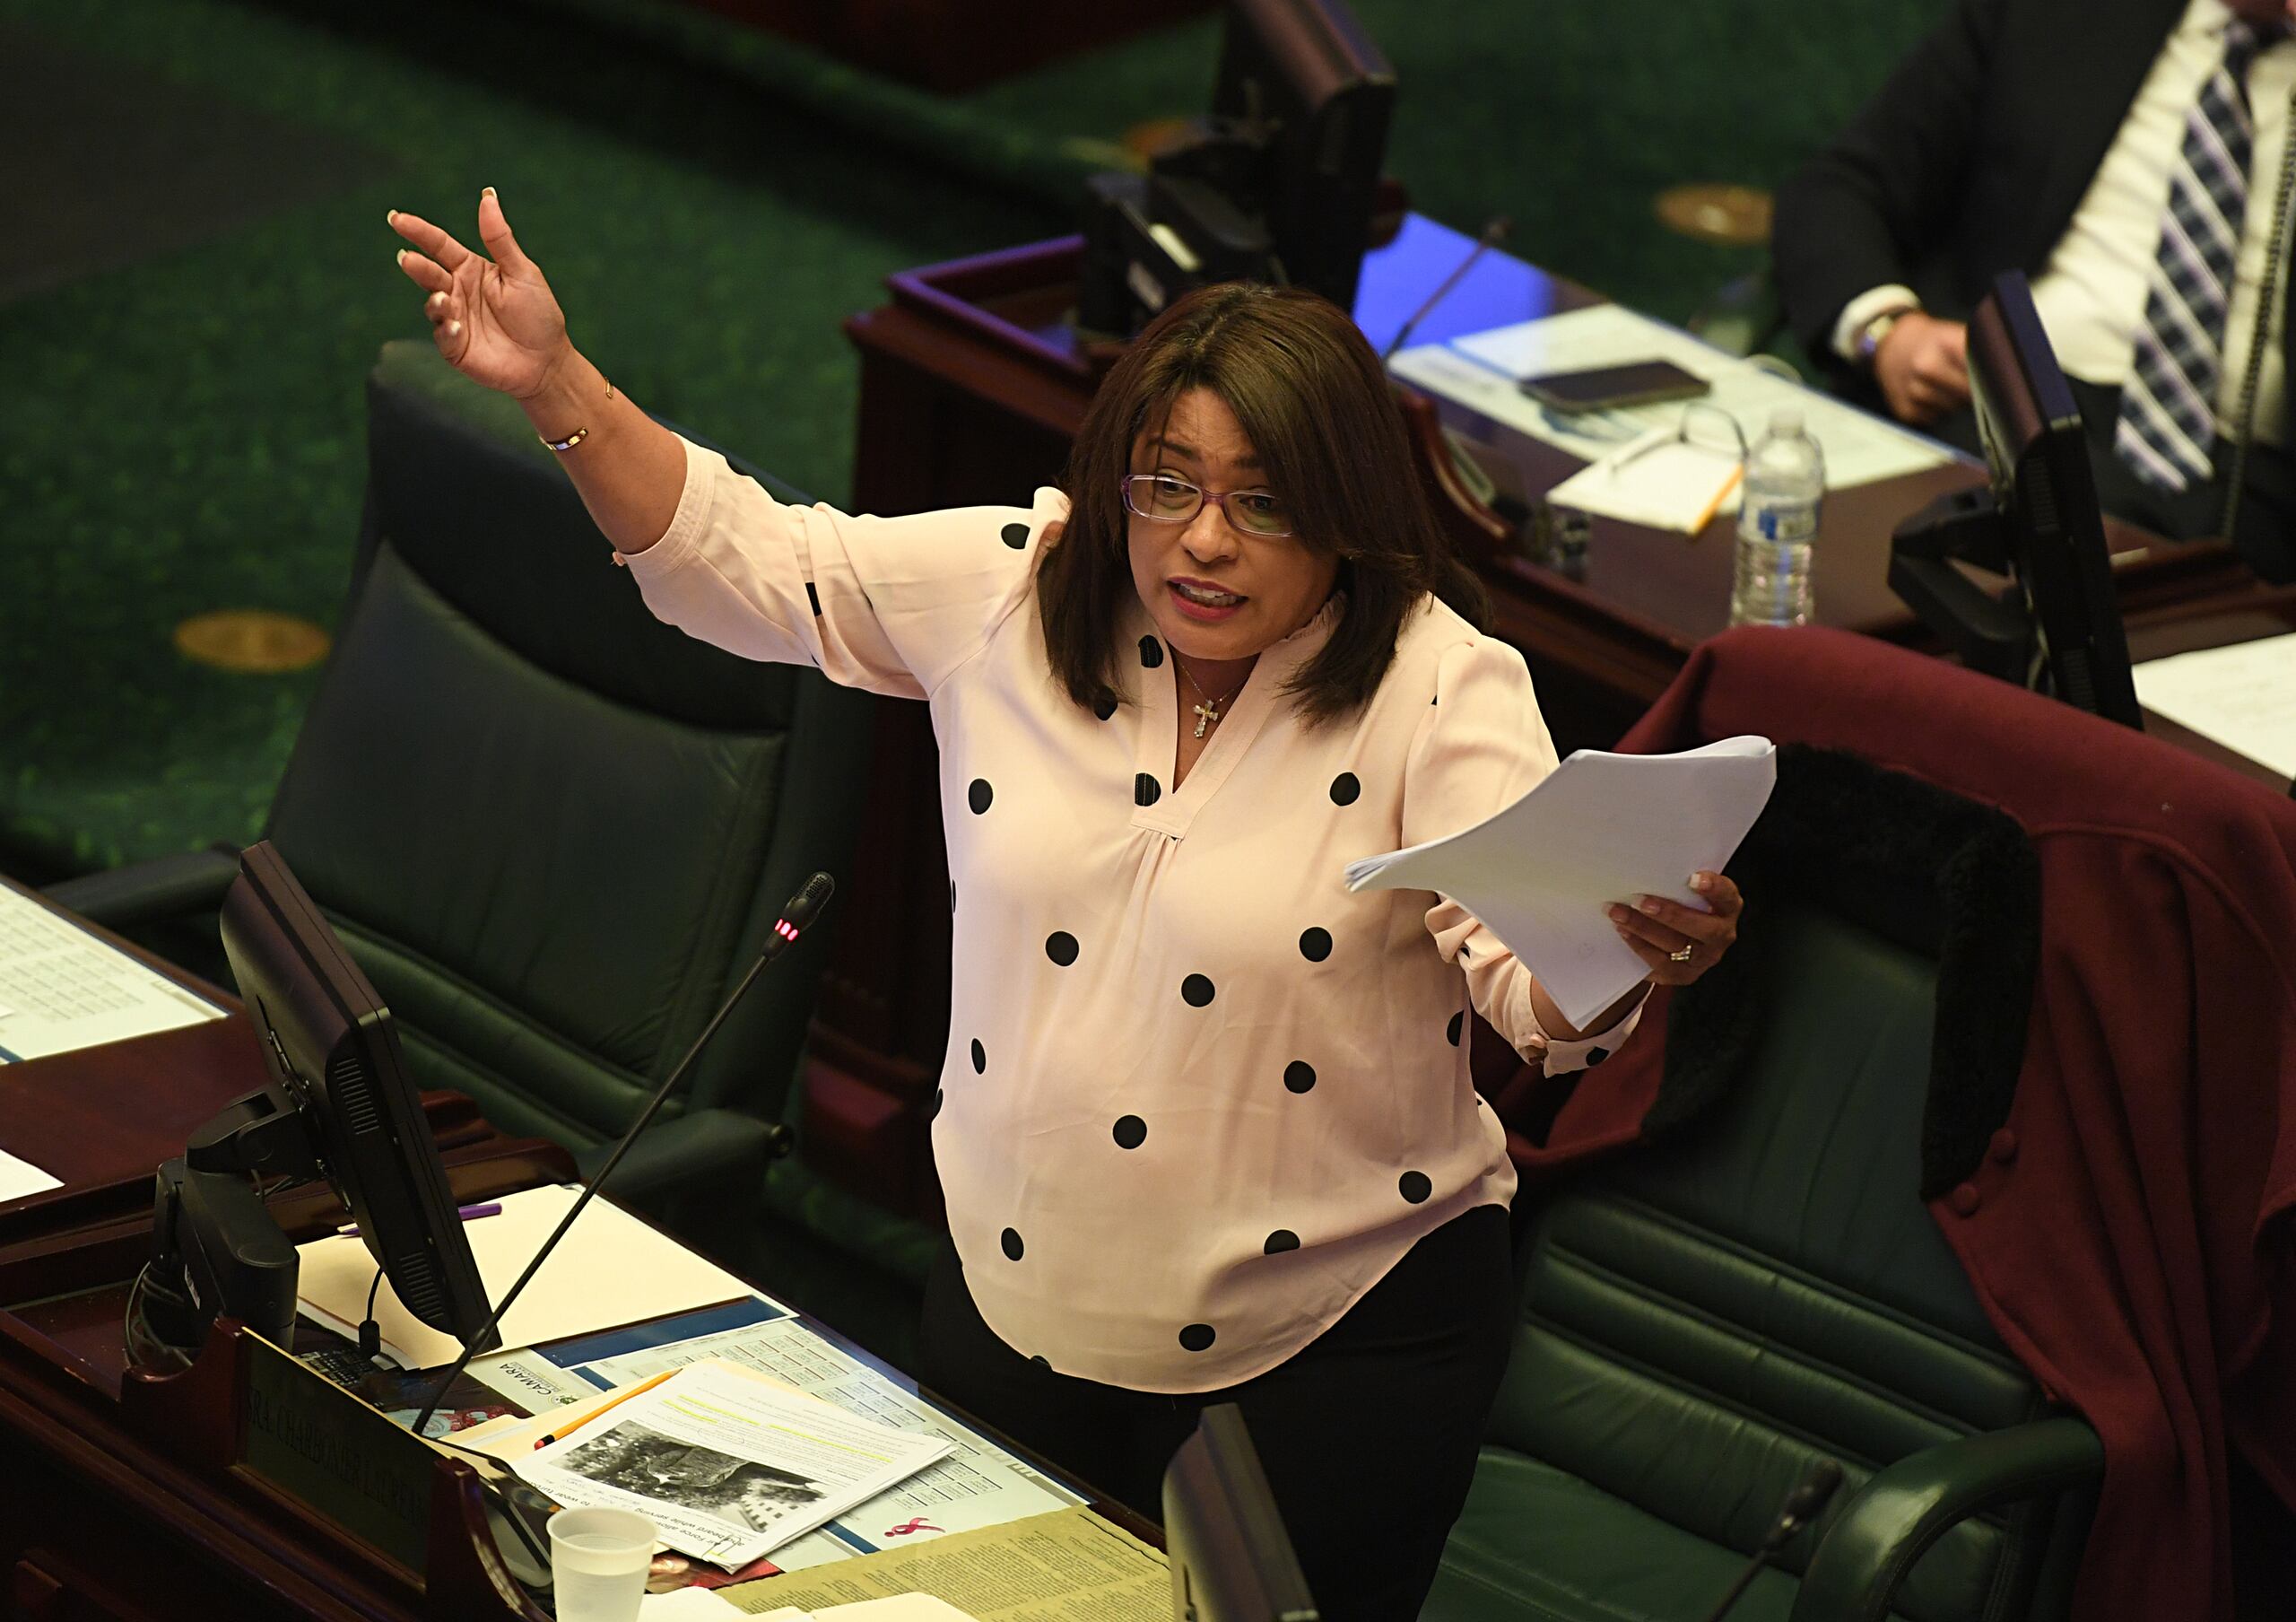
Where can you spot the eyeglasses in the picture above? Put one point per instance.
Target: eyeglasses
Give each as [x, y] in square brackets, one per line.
[1166, 500]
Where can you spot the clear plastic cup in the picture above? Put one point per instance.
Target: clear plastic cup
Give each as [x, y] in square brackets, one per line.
[598, 1560]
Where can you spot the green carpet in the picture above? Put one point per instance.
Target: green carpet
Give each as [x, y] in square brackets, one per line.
[184, 433]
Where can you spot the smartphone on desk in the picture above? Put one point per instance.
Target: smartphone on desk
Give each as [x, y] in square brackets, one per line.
[1609, 387]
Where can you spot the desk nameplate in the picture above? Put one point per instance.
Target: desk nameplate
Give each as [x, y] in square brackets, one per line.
[306, 1437]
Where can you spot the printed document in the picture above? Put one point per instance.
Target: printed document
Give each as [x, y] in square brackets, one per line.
[1600, 828]
[2243, 697]
[62, 989]
[975, 1484]
[1481, 370]
[1068, 1565]
[727, 1466]
[19, 1177]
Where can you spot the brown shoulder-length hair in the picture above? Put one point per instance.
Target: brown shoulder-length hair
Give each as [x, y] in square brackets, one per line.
[1311, 397]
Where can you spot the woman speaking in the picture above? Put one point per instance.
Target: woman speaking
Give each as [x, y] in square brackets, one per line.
[1206, 1125]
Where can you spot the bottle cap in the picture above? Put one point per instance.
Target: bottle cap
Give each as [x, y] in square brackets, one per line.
[1785, 420]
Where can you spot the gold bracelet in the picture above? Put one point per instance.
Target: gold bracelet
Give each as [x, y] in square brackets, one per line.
[578, 436]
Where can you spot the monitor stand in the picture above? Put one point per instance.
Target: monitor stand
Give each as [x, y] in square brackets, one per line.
[1986, 633]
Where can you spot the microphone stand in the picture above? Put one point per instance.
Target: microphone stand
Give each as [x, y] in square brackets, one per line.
[801, 910]
[1493, 233]
[1802, 1505]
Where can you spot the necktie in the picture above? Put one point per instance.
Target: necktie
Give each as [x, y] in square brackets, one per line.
[2167, 430]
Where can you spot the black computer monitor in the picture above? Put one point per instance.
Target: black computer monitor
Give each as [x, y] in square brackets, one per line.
[1305, 77]
[1278, 184]
[338, 1104]
[2058, 629]
[1231, 1560]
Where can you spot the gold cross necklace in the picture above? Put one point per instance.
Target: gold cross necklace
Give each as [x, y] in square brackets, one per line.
[1208, 711]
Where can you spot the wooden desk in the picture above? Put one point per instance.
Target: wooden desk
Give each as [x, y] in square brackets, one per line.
[120, 1496]
[973, 386]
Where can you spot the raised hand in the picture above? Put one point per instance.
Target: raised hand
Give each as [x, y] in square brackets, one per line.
[495, 321]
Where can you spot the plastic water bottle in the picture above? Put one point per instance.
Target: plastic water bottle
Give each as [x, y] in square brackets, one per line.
[1777, 525]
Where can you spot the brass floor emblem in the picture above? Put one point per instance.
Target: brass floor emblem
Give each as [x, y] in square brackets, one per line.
[252, 640]
[1727, 216]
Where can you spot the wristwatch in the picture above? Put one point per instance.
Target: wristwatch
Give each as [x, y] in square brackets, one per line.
[1870, 336]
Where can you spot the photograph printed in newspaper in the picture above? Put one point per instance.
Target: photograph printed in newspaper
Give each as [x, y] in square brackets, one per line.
[726, 1465]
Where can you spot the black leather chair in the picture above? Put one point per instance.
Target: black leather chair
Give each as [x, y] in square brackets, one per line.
[554, 832]
[1761, 1286]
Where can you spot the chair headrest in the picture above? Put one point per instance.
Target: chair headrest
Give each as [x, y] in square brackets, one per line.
[461, 489]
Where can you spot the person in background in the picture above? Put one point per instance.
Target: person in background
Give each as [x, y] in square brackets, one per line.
[2132, 157]
[1205, 1127]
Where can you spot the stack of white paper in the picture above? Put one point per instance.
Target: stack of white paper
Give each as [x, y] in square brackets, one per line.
[2243, 697]
[1601, 828]
[1480, 371]
[1662, 481]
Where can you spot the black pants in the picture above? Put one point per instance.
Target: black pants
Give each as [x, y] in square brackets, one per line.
[1368, 1434]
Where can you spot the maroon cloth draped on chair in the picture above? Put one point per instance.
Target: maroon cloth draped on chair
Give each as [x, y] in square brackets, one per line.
[2126, 1227]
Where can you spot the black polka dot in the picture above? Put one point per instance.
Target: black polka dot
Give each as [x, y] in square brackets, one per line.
[1152, 652]
[1016, 536]
[1104, 706]
[1281, 1240]
[1060, 946]
[979, 1058]
[936, 1104]
[1315, 944]
[1451, 1031]
[978, 794]
[1131, 1132]
[1011, 1241]
[1414, 1186]
[1146, 790]
[815, 598]
[1435, 699]
[1040, 1363]
[1197, 1338]
[1300, 1076]
[1196, 990]
[1595, 1056]
[1344, 788]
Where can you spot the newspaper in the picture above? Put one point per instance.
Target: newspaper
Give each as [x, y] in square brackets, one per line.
[726, 1466]
[976, 1484]
[1062, 1566]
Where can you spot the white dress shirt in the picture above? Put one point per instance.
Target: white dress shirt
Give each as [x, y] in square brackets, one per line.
[2091, 295]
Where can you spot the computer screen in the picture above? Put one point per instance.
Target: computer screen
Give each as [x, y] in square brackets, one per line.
[2060, 630]
[1231, 1560]
[1304, 74]
[1277, 183]
[338, 1104]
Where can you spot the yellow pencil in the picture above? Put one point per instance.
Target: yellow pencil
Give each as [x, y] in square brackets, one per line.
[642, 1386]
[1699, 526]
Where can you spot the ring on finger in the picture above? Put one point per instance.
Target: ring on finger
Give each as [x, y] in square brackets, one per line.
[1682, 955]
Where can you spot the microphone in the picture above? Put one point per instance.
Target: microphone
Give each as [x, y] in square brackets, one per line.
[1802, 1505]
[799, 912]
[1493, 233]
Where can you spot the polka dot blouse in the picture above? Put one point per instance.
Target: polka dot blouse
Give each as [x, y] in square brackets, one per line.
[1198, 1098]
